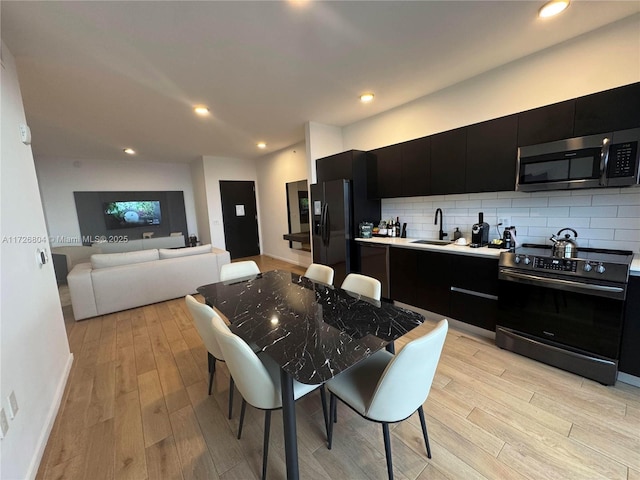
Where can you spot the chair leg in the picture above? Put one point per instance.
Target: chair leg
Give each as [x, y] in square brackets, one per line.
[242, 410]
[212, 370]
[387, 449]
[332, 409]
[265, 448]
[325, 414]
[424, 430]
[231, 386]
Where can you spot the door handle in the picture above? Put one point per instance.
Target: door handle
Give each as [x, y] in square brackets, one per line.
[327, 224]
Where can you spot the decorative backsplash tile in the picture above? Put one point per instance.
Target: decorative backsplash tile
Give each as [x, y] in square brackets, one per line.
[607, 218]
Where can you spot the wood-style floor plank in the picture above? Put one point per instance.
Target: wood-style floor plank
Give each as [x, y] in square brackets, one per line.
[136, 406]
[155, 417]
[192, 449]
[130, 461]
[162, 460]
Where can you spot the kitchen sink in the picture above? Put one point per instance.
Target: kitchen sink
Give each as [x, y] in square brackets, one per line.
[432, 242]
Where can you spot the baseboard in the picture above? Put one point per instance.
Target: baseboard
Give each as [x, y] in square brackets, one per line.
[629, 379]
[51, 418]
[288, 260]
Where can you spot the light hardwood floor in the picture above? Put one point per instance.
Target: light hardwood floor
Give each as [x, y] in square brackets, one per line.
[136, 407]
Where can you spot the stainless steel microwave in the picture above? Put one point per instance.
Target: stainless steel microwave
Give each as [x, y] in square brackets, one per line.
[605, 160]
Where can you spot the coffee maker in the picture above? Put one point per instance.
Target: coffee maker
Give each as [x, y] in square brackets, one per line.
[480, 232]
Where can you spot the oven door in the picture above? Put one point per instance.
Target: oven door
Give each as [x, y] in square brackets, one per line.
[573, 314]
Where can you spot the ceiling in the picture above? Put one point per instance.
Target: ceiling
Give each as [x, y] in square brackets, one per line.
[100, 76]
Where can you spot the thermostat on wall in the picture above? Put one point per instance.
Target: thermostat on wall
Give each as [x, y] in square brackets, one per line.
[25, 134]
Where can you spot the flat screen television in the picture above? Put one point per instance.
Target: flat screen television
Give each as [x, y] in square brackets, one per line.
[130, 214]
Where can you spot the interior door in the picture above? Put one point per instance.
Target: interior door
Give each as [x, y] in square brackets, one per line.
[240, 218]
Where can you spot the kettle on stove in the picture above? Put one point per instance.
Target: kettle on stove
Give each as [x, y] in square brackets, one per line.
[566, 247]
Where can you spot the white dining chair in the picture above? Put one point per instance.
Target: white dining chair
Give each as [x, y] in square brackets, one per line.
[258, 380]
[202, 315]
[387, 388]
[362, 285]
[320, 273]
[233, 270]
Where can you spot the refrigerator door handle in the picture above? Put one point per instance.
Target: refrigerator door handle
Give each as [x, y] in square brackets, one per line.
[325, 225]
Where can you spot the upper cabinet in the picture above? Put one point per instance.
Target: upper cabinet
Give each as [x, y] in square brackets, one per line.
[403, 170]
[491, 155]
[336, 167]
[448, 157]
[388, 161]
[483, 157]
[546, 124]
[616, 109]
[416, 167]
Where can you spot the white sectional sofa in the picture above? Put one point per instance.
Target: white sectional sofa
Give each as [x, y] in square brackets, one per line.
[118, 281]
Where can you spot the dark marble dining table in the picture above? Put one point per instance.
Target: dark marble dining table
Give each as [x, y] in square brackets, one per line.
[312, 330]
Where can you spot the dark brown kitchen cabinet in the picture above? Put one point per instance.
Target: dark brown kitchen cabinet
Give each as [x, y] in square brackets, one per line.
[491, 155]
[615, 109]
[374, 263]
[546, 124]
[462, 287]
[474, 291]
[388, 162]
[420, 278]
[416, 167]
[433, 282]
[629, 351]
[448, 158]
[403, 273]
[335, 167]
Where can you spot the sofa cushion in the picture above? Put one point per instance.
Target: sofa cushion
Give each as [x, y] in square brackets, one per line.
[106, 260]
[183, 252]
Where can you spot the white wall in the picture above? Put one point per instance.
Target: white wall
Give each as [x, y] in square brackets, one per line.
[220, 168]
[274, 171]
[59, 178]
[34, 353]
[597, 61]
[603, 59]
[321, 141]
[200, 201]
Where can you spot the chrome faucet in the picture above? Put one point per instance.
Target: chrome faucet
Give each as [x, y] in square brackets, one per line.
[441, 234]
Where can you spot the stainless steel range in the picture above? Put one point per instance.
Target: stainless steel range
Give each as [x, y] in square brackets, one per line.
[566, 312]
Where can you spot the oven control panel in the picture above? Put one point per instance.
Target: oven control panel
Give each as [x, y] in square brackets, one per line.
[558, 264]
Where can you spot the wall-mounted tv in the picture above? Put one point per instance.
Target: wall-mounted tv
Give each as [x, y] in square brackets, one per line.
[130, 214]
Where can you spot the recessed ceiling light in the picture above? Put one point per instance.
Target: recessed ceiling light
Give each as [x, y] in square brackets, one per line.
[201, 110]
[552, 8]
[129, 151]
[366, 97]
[261, 145]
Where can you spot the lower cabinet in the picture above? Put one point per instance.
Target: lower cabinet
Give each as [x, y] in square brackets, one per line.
[629, 352]
[458, 286]
[373, 263]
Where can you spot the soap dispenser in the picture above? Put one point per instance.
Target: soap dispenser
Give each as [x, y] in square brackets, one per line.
[457, 234]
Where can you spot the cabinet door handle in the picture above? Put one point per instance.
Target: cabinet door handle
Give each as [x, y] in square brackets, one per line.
[475, 294]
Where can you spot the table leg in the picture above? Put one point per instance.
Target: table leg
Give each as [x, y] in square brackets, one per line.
[289, 423]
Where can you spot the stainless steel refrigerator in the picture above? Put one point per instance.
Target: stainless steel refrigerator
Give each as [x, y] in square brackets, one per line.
[332, 232]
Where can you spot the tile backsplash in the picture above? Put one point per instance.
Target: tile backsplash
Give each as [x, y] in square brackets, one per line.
[606, 218]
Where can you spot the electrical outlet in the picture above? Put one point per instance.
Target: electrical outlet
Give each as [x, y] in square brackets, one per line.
[505, 221]
[13, 405]
[4, 423]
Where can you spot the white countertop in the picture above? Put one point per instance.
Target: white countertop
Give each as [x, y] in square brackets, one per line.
[457, 249]
[449, 248]
[635, 265]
